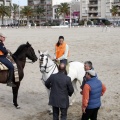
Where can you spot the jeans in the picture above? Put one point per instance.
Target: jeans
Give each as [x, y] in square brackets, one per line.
[90, 114]
[56, 113]
[7, 63]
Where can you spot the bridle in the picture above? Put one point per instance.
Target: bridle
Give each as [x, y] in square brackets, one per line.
[24, 60]
[31, 56]
[46, 66]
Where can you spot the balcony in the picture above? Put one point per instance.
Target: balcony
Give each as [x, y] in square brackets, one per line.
[119, 10]
[93, 16]
[93, 0]
[116, 4]
[93, 11]
[93, 4]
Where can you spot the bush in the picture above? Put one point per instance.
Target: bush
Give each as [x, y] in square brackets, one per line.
[81, 22]
[107, 23]
[46, 24]
[89, 23]
[95, 22]
[32, 24]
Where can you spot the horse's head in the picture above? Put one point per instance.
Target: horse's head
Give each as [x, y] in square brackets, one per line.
[43, 60]
[30, 53]
[24, 51]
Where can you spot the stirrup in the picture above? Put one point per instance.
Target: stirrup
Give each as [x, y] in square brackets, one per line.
[11, 84]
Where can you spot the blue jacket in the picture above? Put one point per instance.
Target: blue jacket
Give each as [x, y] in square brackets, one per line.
[3, 49]
[95, 93]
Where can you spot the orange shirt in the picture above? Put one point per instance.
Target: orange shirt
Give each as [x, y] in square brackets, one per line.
[1, 53]
[60, 50]
[85, 93]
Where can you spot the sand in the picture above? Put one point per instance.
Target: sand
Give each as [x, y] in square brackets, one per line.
[102, 48]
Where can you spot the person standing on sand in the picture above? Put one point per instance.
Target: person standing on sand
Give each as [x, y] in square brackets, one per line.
[87, 66]
[61, 88]
[91, 96]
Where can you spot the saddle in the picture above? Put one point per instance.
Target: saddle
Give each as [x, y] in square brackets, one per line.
[4, 68]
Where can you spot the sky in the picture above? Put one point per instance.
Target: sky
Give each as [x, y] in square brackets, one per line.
[24, 2]
[21, 2]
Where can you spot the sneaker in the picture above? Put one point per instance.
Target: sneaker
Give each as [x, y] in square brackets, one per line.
[11, 84]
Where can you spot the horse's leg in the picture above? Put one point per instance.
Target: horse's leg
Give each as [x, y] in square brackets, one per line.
[74, 83]
[15, 95]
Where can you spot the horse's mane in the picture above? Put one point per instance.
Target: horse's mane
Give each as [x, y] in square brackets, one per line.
[20, 48]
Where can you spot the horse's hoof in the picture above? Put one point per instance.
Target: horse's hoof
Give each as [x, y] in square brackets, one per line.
[71, 104]
[50, 113]
[17, 106]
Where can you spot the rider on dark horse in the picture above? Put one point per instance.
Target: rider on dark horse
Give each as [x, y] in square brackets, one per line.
[61, 50]
[6, 62]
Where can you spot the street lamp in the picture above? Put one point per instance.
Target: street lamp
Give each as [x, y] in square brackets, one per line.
[86, 13]
[18, 12]
[70, 16]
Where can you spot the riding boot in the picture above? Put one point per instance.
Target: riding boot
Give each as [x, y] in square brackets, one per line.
[10, 79]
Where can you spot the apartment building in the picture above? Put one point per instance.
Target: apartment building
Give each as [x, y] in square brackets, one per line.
[45, 4]
[6, 2]
[96, 9]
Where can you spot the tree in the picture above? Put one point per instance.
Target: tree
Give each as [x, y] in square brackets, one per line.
[114, 10]
[27, 11]
[57, 13]
[4, 11]
[40, 12]
[15, 10]
[64, 10]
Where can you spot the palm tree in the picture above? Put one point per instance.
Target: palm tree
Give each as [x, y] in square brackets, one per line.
[57, 13]
[4, 11]
[27, 11]
[15, 10]
[114, 11]
[64, 10]
[40, 12]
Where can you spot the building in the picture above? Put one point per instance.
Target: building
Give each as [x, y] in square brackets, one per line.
[84, 9]
[96, 9]
[116, 18]
[45, 4]
[75, 12]
[6, 2]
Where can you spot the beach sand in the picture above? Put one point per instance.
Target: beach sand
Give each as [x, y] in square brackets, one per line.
[102, 48]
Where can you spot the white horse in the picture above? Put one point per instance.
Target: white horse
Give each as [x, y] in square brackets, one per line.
[48, 67]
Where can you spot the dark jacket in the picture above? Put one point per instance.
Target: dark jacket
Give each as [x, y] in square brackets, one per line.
[95, 93]
[61, 89]
[3, 49]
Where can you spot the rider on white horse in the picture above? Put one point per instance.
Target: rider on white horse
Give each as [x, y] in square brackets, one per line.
[61, 50]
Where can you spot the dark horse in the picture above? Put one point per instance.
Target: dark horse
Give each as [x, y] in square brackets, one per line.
[24, 51]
